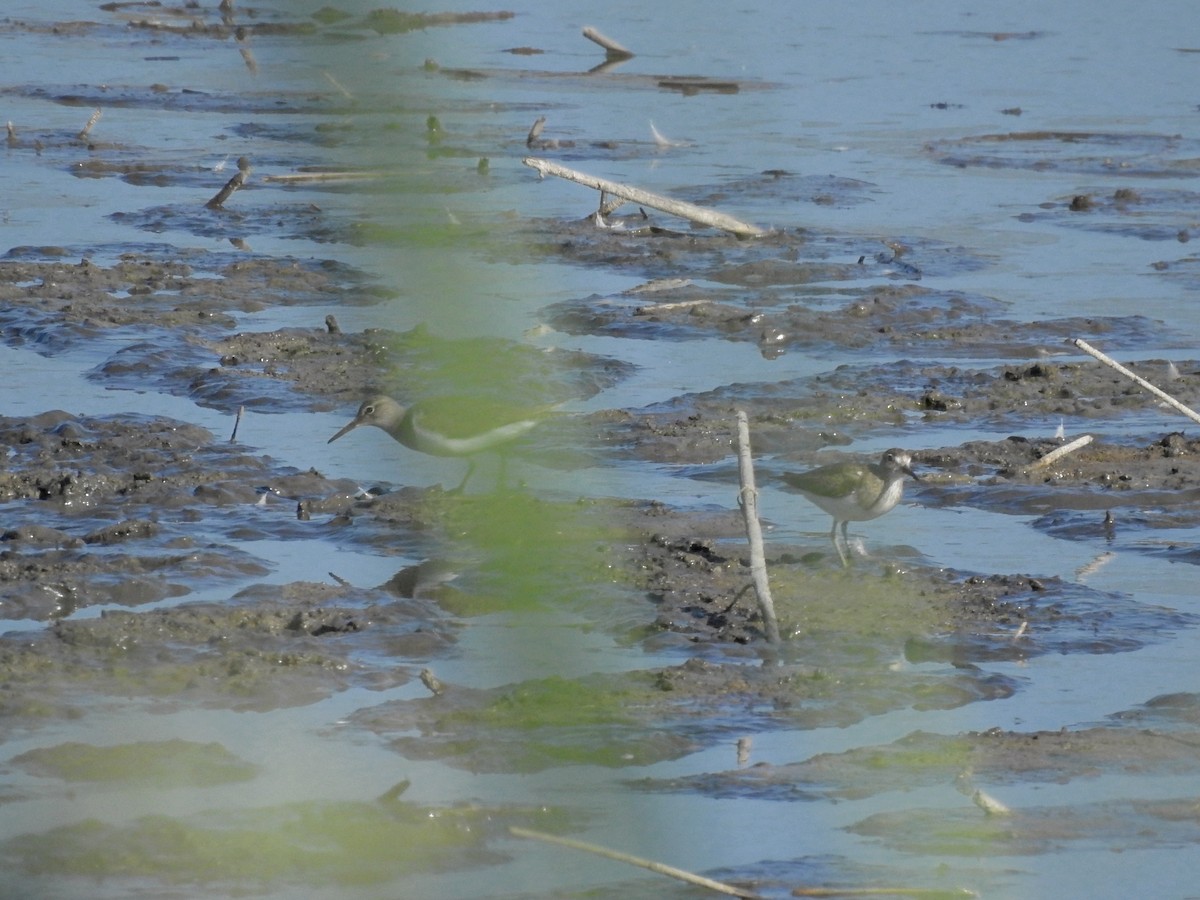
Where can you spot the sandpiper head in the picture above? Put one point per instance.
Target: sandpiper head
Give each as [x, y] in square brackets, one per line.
[382, 412]
[898, 461]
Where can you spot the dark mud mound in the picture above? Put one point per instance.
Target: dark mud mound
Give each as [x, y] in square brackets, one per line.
[791, 419]
[1149, 215]
[1119, 496]
[1112, 474]
[1081, 152]
[793, 258]
[264, 649]
[701, 589]
[910, 320]
[322, 368]
[104, 510]
[53, 305]
[638, 718]
[921, 759]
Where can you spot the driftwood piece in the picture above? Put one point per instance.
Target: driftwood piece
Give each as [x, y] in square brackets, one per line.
[303, 177]
[640, 862]
[612, 49]
[87, 129]
[680, 208]
[1058, 453]
[239, 179]
[1137, 379]
[237, 422]
[748, 501]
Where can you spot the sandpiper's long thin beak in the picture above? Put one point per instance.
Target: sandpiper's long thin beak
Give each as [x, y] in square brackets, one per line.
[907, 469]
[346, 430]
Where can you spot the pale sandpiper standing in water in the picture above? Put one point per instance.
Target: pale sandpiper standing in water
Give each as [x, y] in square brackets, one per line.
[855, 492]
[446, 426]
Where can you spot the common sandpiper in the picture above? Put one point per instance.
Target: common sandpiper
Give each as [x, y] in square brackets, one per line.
[855, 492]
[446, 426]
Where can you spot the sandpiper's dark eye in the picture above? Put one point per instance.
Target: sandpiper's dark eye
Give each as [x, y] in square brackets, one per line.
[368, 410]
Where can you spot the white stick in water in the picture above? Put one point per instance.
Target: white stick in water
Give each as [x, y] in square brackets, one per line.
[1137, 379]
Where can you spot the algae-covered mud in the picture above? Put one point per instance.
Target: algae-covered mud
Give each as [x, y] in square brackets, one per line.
[239, 659]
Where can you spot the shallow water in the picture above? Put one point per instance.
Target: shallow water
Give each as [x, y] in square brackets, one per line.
[826, 92]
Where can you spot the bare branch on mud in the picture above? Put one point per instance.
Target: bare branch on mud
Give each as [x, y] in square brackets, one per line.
[87, 129]
[932, 893]
[670, 307]
[660, 868]
[236, 423]
[302, 177]
[1137, 379]
[1058, 453]
[231, 185]
[612, 49]
[748, 501]
[609, 205]
[680, 208]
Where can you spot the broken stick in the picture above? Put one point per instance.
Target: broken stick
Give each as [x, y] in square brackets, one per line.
[612, 49]
[1058, 453]
[1137, 379]
[87, 129]
[629, 859]
[680, 208]
[748, 501]
[231, 185]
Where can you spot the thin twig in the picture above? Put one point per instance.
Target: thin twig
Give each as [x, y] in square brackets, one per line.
[748, 501]
[301, 177]
[664, 307]
[231, 185]
[660, 868]
[1137, 379]
[337, 84]
[612, 49]
[1058, 453]
[88, 127]
[884, 891]
[236, 423]
[609, 205]
[684, 210]
[535, 132]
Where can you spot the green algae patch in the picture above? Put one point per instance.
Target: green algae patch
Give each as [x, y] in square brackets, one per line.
[310, 844]
[641, 718]
[173, 763]
[555, 702]
[995, 759]
[538, 552]
[299, 645]
[1116, 826]
[391, 21]
[600, 720]
[888, 607]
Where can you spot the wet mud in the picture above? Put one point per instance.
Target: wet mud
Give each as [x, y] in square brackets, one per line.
[103, 483]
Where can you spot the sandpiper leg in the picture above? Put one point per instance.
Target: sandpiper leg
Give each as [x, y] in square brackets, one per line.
[462, 484]
[833, 537]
